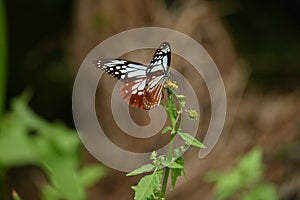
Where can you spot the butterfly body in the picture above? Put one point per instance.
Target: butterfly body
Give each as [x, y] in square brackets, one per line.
[141, 84]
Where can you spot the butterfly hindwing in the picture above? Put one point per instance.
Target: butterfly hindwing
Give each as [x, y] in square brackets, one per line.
[132, 92]
[139, 97]
[153, 95]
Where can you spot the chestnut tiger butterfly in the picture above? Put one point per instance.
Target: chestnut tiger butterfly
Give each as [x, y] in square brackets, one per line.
[141, 84]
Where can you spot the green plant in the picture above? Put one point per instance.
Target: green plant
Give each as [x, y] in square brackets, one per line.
[154, 185]
[3, 57]
[244, 181]
[27, 139]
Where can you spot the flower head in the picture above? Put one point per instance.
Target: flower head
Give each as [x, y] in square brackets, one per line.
[192, 114]
[153, 155]
[172, 85]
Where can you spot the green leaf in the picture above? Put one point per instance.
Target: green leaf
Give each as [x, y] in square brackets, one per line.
[15, 146]
[173, 131]
[250, 166]
[172, 164]
[26, 138]
[90, 174]
[25, 115]
[142, 169]
[65, 180]
[228, 185]
[190, 140]
[262, 192]
[50, 193]
[166, 129]
[147, 186]
[247, 172]
[176, 172]
[61, 138]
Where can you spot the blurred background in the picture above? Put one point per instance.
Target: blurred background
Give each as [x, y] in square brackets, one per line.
[255, 44]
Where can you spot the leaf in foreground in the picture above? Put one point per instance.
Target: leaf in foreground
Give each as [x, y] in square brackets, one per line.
[166, 129]
[190, 140]
[147, 185]
[142, 169]
[176, 172]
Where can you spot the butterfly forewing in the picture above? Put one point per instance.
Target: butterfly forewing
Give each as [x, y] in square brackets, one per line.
[162, 57]
[142, 85]
[123, 70]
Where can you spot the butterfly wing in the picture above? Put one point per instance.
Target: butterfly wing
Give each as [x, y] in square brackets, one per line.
[161, 58]
[133, 76]
[142, 85]
[157, 73]
[133, 92]
[121, 69]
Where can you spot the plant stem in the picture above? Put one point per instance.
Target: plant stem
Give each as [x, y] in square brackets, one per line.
[172, 112]
[171, 108]
[2, 57]
[165, 181]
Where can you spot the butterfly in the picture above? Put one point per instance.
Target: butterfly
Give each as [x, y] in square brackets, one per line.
[141, 84]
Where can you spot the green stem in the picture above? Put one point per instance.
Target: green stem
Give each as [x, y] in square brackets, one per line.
[172, 112]
[2, 57]
[171, 109]
[170, 150]
[165, 182]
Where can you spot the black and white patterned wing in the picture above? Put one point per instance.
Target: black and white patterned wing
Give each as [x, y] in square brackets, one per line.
[157, 73]
[161, 58]
[159, 67]
[121, 69]
[133, 76]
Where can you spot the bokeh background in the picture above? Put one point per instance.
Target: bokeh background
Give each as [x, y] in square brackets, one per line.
[255, 44]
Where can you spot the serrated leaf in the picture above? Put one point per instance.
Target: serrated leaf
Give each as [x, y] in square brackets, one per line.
[176, 172]
[142, 169]
[190, 140]
[166, 129]
[147, 186]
